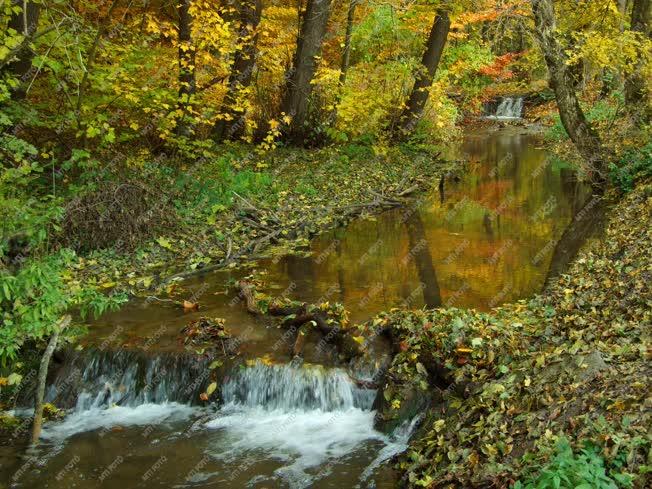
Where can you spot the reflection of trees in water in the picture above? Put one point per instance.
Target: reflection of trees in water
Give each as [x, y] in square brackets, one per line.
[585, 223]
[423, 260]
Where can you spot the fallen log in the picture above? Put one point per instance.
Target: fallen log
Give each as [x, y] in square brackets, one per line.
[302, 317]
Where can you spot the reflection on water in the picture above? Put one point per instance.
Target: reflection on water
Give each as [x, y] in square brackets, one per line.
[486, 239]
[479, 240]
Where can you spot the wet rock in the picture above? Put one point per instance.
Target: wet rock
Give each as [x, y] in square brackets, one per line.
[397, 404]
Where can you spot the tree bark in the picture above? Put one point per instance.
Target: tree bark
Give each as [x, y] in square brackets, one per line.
[244, 62]
[299, 87]
[636, 93]
[561, 81]
[26, 23]
[431, 57]
[346, 54]
[187, 82]
[42, 377]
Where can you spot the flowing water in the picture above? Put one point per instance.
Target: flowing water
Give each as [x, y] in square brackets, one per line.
[136, 419]
[505, 109]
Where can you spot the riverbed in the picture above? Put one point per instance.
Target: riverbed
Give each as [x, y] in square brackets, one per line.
[480, 239]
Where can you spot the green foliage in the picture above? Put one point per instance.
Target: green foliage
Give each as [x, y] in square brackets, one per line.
[461, 62]
[35, 297]
[585, 470]
[633, 164]
[215, 184]
[381, 34]
[603, 111]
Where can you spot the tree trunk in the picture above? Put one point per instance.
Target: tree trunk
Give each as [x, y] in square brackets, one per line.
[187, 83]
[26, 23]
[346, 57]
[244, 62]
[636, 94]
[419, 96]
[346, 54]
[42, 377]
[299, 86]
[561, 81]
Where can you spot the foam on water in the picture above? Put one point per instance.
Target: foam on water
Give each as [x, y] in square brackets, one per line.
[306, 417]
[104, 418]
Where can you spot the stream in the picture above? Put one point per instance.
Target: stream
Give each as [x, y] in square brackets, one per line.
[485, 238]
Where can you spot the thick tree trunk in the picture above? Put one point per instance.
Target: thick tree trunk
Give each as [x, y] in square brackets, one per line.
[419, 96]
[561, 80]
[299, 87]
[25, 22]
[244, 62]
[636, 93]
[42, 377]
[187, 83]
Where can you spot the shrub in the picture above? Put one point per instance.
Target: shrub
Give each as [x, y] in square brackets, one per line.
[634, 163]
[585, 470]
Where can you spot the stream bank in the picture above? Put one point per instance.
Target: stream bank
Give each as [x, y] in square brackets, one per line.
[508, 387]
[243, 206]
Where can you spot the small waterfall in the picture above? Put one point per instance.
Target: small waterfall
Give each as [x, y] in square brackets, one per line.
[101, 378]
[310, 420]
[308, 416]
[508, 108]
[288, 387]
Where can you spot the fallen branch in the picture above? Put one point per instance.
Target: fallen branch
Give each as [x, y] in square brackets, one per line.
[37, 423]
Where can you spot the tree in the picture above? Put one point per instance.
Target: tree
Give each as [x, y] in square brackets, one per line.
[24, 22]
[299, 87]
[187, 82]
[346, 53]
[636, 93]
[37, 422]
[244, 62]
[419, 96]
[562, 82]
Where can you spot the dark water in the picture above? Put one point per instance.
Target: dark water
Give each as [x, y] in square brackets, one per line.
[487, 238]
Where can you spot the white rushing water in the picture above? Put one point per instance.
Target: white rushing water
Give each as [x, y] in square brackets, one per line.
[97, 418]
[307, 420]
[306, 417]
[510, 108]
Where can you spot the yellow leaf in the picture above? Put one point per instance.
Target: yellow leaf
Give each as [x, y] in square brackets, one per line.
[358, 339]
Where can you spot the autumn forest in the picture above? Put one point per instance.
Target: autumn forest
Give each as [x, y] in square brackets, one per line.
[325, 243]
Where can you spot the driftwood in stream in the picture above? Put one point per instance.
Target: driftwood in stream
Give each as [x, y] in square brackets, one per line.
[300, 318]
